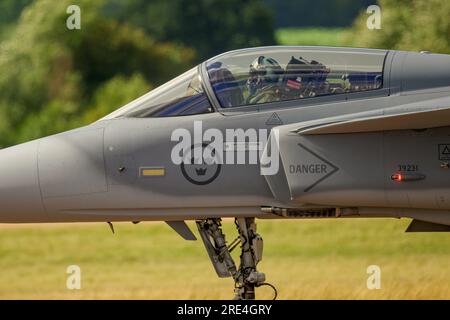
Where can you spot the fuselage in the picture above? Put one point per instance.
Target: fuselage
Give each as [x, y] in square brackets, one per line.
[121, 168]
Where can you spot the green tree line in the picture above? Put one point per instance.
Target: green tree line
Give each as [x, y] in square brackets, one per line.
[53, 79]
[317, 13]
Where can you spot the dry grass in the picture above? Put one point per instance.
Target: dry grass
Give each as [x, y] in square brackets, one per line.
[304, 259]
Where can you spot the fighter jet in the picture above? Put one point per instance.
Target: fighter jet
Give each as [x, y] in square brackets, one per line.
[261, 133]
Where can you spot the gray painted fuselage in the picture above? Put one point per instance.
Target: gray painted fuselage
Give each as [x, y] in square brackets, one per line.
[93, 173]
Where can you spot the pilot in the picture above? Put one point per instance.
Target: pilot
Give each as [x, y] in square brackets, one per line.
[225, 86]
[264, 82]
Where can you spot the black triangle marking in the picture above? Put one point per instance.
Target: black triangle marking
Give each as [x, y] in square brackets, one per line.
[335, 168]
[444, 151]
[274, 120]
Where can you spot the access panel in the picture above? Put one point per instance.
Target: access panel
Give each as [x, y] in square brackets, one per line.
[403, 168]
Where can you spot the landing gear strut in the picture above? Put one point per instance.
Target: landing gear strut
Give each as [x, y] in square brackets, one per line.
[246, 277]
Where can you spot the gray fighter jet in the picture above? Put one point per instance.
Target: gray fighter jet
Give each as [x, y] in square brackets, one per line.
[272, 132]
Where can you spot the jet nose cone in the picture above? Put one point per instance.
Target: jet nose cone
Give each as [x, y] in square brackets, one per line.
[20, 197]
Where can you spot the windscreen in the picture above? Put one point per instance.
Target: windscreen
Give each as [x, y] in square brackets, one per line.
[183, 95]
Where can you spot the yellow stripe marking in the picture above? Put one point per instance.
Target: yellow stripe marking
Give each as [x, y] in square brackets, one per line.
[153, 172]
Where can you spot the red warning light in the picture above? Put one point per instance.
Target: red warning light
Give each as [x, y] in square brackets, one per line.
[397, 177]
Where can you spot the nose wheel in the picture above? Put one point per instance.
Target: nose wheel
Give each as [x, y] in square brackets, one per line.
[246, 277]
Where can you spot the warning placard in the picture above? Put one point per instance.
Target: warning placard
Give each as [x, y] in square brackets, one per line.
[444, 152]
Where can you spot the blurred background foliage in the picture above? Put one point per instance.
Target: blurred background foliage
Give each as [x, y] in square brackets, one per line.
[209, 26]
[53, 79]
[414, 25]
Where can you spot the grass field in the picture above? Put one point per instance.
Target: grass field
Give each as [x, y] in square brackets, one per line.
[313, 36]
[303, 259]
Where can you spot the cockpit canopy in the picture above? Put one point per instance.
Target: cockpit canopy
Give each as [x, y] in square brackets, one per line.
[262, 75]
[292, 73]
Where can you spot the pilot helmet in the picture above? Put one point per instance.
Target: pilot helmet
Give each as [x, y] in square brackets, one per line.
[263, 71]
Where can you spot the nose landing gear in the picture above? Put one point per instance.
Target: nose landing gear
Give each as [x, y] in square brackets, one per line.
[246, 277]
